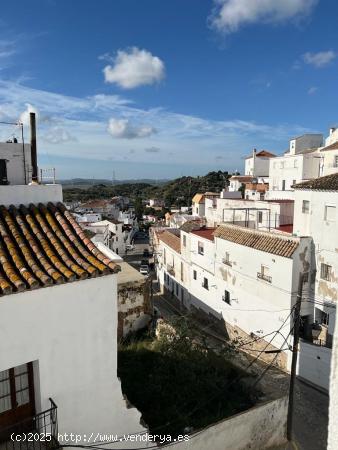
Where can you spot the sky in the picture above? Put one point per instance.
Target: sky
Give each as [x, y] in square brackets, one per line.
[157, 89]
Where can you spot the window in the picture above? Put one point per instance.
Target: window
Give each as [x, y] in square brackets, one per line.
[294, 182]
[283, 185]
[182, 269]
[305, 207]
[295, 163]
[184, 240]
[226, 297]
[205, 283]
[260, 217]
[335, 161]
[264, 274]
[117, 238]
[164, 256]
[200, 248]
[330, 213]
[195, 275]
[325, 272]
[226, 259]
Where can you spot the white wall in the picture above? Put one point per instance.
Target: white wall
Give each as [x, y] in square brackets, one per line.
[333, 406]
[18, 161]
[257, 166]
[70, 330]
[314, 364]
[305, 142]
[259, 428]
[44, 193]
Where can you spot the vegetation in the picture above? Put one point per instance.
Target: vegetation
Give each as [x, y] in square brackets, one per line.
[176, 192]
[178, 382]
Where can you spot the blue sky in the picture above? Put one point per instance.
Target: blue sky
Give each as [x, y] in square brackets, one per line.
[150, 88]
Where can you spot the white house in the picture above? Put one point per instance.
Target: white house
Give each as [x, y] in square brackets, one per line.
[111, 233]
[58, 321]
[300, 163]
[259, 214]
[258, 163]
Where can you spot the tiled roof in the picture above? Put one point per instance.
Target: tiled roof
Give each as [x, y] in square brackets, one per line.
[198, 198]
[327, 183]
[259, 240]
[43, 245]
[191, 225]
[205, 233]
[94, 204]
[265, 153]
[242, 178]
[333, 146]
[171, 240]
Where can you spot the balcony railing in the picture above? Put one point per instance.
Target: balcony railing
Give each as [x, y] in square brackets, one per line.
[39, 432]
[264, 277]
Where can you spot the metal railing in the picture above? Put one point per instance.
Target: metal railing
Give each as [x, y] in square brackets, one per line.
[264, 277]
[39, 432]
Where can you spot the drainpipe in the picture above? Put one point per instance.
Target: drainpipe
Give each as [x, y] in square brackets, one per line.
[33, 148]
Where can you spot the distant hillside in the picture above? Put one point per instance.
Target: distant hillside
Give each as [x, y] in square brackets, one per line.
[176, 192]
[87, 182]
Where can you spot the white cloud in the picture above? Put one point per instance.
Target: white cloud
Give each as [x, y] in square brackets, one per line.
[58, 135]
[25, 115]
[229, 15]
[124, 129]
[319, 59]
[133, 68]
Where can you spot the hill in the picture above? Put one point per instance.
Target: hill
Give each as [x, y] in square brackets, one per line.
[176, 192]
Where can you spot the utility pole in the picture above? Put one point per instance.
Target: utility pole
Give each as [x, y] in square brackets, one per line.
[294, 356]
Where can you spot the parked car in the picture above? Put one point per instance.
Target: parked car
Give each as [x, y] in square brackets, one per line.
[130, 247]
[146, 253]
[144, 269]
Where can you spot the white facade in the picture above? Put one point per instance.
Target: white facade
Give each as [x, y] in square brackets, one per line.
[290, 169]
[18, 162]
[69, 333]
[305, 142]
[257, 165]
[316, 215]
[252, 214]
[111, 234]
[221, 278]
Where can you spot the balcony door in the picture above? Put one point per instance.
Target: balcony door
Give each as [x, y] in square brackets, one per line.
[16, 396]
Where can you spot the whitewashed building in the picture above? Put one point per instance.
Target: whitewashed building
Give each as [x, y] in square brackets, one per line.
[58, 321]
[247, 279]
[299, 163]
[258, 163]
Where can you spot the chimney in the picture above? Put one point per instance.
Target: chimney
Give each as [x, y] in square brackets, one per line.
[332, 130]
[33, 148]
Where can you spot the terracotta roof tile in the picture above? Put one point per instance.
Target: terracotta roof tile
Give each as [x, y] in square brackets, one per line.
[171, 240]
[333, 146]
[327, 183]
[43, 245]
[259, 240]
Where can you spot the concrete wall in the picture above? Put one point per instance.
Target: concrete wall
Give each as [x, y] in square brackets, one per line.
[259, 428]
[305, 142]
[329, 162]
[69, 331]
[314, 364]
[44, 193]
[18, 162]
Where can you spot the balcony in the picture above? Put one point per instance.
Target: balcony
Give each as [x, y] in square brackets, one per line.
[262, 276]
[39, 432]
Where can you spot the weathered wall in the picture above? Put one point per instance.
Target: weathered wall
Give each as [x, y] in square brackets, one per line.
[333, 408]
[257, 429]
[134, 307]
